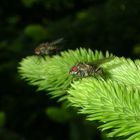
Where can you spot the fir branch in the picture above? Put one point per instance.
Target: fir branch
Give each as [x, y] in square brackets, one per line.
[114, 100]
[125, 71]
[52, 74]
[117, 106]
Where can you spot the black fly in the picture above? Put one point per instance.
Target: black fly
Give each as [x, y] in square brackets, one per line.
[48, 48]
[84, 69]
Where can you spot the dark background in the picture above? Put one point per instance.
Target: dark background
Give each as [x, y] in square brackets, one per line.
[25, 114]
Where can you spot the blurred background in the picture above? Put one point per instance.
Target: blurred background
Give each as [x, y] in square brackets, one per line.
[25, 114]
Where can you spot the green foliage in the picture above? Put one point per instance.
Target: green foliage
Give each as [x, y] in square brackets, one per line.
[125, 71]
[52, 74]
[59, 114]
[59, 5]
[98, 24]
[114, 101]
[2, 119]
[35, 31]
[136, 49]
[114, 104]
[28, 3]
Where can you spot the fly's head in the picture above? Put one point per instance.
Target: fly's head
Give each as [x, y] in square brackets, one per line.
[37, 51]
[40, 50]
[74, 70]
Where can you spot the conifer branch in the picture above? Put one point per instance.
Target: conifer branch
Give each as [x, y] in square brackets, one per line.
[113, 100]
[52, 73]
[115, 105]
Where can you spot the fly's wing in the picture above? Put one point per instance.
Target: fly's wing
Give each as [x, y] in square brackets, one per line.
[42, 45]
[101, 61]
[51, 44]
[56, 41]
[54, 45]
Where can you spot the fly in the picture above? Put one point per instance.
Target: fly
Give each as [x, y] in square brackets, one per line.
[48, 48]
[85, 69]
